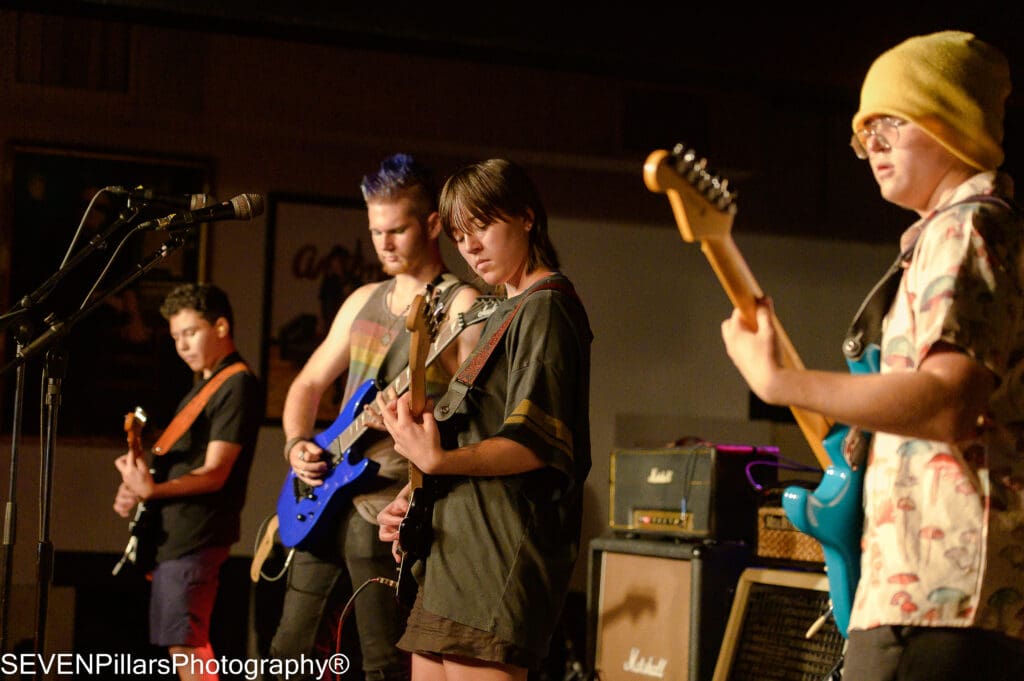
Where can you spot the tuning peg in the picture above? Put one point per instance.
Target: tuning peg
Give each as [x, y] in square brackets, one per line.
[684, 157]
[437, 317]
[695, 171]
[726, 197]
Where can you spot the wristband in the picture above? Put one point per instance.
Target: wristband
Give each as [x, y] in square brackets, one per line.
[292, 441]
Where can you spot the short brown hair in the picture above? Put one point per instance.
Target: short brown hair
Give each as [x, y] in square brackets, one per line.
[492, 190]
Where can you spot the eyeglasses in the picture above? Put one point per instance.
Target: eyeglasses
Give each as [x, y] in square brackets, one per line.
[886, 130]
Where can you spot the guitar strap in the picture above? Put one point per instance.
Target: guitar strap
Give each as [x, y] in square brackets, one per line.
[467, 376]
[183, 420]
[866, 328]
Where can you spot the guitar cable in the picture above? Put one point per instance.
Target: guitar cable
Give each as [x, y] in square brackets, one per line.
[287, 561]
[390, 583]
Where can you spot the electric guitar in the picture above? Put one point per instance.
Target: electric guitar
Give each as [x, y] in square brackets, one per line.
[144, 525]
[302, 509]
[704, 207]
[414, 532]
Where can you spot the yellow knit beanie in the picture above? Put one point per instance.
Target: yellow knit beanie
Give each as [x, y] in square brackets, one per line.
[951, 85]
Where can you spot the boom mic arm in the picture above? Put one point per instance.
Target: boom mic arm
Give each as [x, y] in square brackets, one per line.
[146, 195]
[242, 207]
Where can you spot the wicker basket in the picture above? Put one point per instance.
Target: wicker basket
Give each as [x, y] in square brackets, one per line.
[778, 538]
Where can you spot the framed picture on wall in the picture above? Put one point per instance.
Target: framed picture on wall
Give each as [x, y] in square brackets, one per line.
[318, 252]
[72, 250]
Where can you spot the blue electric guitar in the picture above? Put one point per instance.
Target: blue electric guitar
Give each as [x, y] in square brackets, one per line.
[303, 509]
[704, 207]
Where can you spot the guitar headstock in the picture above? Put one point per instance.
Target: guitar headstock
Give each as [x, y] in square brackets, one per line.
[703, 202]
[133, 423]
[482, 308]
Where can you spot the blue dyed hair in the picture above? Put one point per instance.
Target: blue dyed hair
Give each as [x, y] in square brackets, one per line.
[402, 176]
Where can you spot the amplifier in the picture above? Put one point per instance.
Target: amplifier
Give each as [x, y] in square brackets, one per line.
[701, 491]
[659, 608]
[775, 630]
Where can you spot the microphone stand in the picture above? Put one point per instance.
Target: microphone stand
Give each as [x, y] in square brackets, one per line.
[22, 317]
[54, 372]
[54, 369]
[10, 510]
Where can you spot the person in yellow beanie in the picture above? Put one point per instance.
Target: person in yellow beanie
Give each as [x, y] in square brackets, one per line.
[940, 594]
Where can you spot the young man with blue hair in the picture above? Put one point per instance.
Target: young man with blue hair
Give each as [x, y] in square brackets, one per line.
[366, 340]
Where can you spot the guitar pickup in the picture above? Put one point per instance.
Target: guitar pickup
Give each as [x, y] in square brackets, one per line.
[302, 491]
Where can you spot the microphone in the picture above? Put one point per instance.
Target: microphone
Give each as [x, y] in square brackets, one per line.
[189, 201]
[242, 207]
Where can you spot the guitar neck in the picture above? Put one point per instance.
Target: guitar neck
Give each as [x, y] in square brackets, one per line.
[700, 219]
[744, 292]
[400, 385]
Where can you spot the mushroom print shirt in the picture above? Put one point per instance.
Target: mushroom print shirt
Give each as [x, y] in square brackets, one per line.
[943, 541]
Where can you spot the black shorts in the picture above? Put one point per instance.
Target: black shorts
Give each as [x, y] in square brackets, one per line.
[890, 653]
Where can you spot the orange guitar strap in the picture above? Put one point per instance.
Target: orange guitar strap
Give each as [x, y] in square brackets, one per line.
[182, 421]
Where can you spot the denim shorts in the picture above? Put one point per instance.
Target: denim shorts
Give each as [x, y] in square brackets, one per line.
[182, 597]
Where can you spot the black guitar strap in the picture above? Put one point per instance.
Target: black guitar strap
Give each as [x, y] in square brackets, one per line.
[866, 328]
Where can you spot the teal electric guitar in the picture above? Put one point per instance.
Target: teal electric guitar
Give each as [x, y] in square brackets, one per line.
[704, 207]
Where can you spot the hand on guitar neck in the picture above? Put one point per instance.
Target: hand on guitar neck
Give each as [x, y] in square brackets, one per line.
[704, 206]
[419, 342]
[413, 529]
[303, 506]
[133, 422]
[143, 526]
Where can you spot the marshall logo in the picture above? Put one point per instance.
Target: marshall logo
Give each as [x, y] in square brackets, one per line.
[660, 476]
[645, 666]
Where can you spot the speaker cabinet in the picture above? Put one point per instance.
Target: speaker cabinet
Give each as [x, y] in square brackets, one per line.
[766, 637]
[659, 608]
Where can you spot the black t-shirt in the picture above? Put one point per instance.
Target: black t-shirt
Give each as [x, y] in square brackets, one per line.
[233, 414]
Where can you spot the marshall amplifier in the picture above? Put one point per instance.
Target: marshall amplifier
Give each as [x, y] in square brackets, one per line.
[704, 491]
[657, 608]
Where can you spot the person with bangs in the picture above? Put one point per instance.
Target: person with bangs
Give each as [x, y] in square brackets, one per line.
[507, 448]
